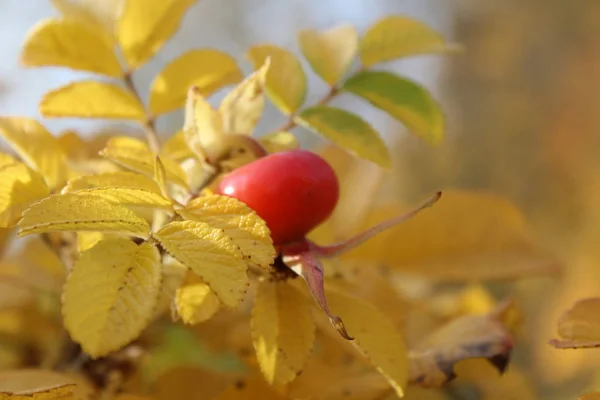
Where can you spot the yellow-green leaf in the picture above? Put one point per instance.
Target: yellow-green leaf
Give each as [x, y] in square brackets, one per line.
[110, 295]
[375, 336]
[72, 212]
[91, 99]
[285, 82]
[145, 26]
[211, 254]
[19, 187]
[401, 98]
[283, 331]
[37, 147]
[208, 70]
[195, 302]
[279, 141]
[128, 196]
[248, 231]
[331, 52]
[348, 131]
[399, 36]
[136, 155]
[243, 106]
[121, 179]
[71, 44]
[203, 127]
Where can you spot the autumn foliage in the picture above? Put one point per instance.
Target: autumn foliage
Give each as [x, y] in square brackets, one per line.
[125, 274]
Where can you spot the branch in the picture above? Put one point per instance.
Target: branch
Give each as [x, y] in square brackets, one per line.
[149, 127]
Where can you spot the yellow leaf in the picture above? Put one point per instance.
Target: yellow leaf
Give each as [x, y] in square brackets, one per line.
[38, 384]
[71, 44]
[87, 240]
[579, 326]
[135, 155]
[243, 106]
[72, 212]
[401, 98]
[160, 176]
[101, 15]
[279, 141]
[203, 127]
[370, 385]
[399, 36]
[63, 392]
[210, 254]
[375, 336]
[285, 82]
[128, 196]
[252, 387]
[6, 160]
[465, 236]
[348, 131]
[91, 99]
[110, 295]
[195, 302]
[283, 331]
[248, 231]
[130, 180]
[590, 396]
[145, 26]
[37, 147]
[208, 70]
[37, 253]
[190, 382]
[19, 187]
[173, 275]
[176, 147]
[331, 52]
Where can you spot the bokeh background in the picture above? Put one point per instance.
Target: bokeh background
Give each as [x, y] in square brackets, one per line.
[523, 122]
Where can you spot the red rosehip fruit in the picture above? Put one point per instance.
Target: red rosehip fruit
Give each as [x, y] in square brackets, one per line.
[293, 191]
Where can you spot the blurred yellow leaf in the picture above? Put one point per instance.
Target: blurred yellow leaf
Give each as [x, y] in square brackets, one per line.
[71, 44]
[248, 231]
[467, 235]
[110, 295]
[203, 127]
[37, 147]
[160, 176]
[252, 387]
[37, 253]
[173, 275]
[279, 141]
[19, 187]
[285, 82]
[102, 15]
[209, 253]
[401, 98]
[283, 331]
[72, 212]
[331, 52]
[135, 155]
[189, 382]
[195, 302]
[370, 385]
[177, 148]
[145, 26]
[433, 360]
[348, 131]
[399, 36]
[374, 335]
[243, 106]
[39, 384]
[208, 70]
[91, 99]
[122, 179]
[590, 396]
[87, 240]
[579, 326]
[128, 196]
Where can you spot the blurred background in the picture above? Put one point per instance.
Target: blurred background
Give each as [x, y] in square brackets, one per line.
[523, 122]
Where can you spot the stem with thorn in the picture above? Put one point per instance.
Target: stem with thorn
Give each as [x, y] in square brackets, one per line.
[347, 245]
[149, 127]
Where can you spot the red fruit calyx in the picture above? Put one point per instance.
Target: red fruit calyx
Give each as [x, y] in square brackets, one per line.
[292, 191]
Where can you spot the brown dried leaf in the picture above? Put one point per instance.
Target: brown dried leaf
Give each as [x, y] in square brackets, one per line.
[432, 362]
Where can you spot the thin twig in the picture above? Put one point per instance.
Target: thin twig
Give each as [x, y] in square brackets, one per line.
[149, 126]
[291, 121]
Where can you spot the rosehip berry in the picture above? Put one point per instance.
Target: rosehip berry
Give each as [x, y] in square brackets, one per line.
[293, 191]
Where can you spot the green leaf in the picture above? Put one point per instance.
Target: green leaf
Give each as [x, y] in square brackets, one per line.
[346, 130]
[402, 99]
[399, 36]
[285, 82]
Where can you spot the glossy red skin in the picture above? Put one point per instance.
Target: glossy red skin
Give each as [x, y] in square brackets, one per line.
[293, 191]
